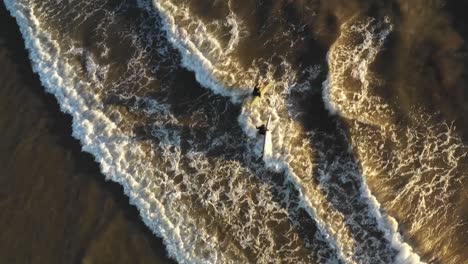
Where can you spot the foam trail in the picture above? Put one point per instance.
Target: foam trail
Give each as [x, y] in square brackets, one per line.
[216, 77]
[346, 58]
[360, 104]
[431, 159]
[104, 141]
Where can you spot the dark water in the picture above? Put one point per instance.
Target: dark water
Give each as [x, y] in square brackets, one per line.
[368, 111]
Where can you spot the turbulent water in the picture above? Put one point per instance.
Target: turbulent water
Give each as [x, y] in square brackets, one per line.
[368, 166]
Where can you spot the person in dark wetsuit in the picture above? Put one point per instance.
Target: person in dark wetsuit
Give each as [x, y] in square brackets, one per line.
[256, 90]
[262, 129]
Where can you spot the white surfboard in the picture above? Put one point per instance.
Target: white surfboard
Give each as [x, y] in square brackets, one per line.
[267, 145]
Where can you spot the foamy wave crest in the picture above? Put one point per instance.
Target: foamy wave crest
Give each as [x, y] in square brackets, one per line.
[350, 87]
[427, 160]
[350, 91]
[101, 137]
[203, 53]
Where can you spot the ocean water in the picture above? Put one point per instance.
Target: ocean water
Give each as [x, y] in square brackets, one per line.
[367, 121]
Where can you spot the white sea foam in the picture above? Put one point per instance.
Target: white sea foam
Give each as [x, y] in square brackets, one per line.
[349, 63]
[202, 53]
[102, 138]
[361, 104]
[431, 161]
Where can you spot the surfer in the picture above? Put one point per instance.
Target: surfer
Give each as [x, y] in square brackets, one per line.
[259, 92]
[262, 129]
[256, 90]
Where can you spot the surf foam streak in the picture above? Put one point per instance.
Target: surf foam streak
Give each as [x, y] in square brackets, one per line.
[359, 102]
[349, 63]
[210, 70]
[428, 161]
[104, 141]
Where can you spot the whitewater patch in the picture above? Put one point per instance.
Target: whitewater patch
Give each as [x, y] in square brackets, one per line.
[350, 92]
[202, 51]
[428, 161]
[350, 87]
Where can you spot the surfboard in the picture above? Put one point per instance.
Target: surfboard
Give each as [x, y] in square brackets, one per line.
[263, 90]
[267, 145]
